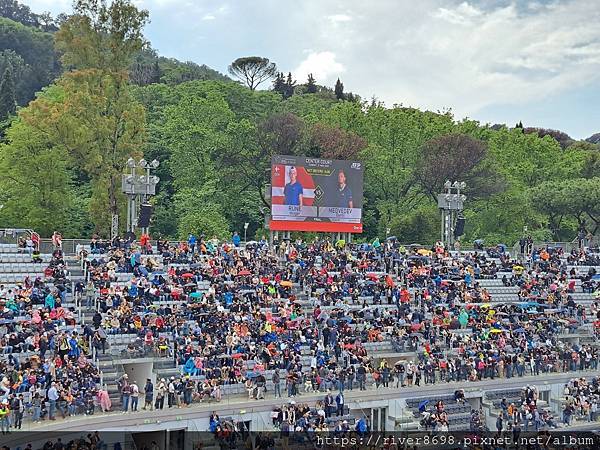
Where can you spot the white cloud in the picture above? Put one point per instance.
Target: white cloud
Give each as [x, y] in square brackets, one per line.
[208, 17]
[461, 15]
[467, 55]
[339, 18]
[323, 66]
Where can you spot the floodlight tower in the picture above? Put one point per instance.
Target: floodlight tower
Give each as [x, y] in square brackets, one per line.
[450, 203]
[138, 188]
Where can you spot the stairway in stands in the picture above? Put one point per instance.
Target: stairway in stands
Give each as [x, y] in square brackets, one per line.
[108, 366]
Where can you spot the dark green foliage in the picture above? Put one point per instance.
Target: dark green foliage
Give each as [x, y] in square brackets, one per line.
[562, 138]
[279, 83]
[311, 85]
[7, 95]
[253, 70]
[13, 10]
[339, 90]
[31, 55]
[289, 86]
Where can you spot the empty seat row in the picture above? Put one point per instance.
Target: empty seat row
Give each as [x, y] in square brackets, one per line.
[21, 267]
[9, 248]
[20, 257]
[492, 395]
[8, 278]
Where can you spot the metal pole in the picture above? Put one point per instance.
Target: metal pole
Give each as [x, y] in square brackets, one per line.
[147, 195]
[442, 227]
[128, 214]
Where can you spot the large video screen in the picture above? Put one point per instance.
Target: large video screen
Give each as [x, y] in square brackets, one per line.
[312, 194]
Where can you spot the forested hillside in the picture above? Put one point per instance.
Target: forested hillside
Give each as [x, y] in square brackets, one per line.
[28, 54]
[64, 154]
[29, 62]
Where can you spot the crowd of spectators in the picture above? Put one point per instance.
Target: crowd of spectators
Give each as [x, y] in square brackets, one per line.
[582, 398]
[46, 367]
[299, 318]
[525, 414]
[230, 315]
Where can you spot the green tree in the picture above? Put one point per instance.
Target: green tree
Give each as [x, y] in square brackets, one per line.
[31, 54]
[456, 157]
[176, 72]
[35, 187]
[311, 84]
[95, 117]
[279, 83]
[335, 143]
[290, 84]
[197, 131]
[199, 214]
[13, 10]
[8, 103]
[339, 90]
[578, 198]
[415, 227]
[253, 70]
[101, 36]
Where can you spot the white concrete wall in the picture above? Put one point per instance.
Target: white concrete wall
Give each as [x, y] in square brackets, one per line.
[139, 372]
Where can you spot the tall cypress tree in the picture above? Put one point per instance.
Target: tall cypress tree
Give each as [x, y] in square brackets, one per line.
[290, 84]
[339, 90]
[8, 104]
[311, 85]
[279, 83]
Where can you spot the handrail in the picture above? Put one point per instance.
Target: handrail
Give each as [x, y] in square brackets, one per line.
[14, 233]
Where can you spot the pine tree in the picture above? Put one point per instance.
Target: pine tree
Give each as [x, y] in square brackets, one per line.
[290, 84]
[279, 83]
[8, 104]
[519, 125]
[339, 90]
[311, 85]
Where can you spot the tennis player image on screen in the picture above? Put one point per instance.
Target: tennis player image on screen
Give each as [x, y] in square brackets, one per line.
[293, 190]
[344, 193]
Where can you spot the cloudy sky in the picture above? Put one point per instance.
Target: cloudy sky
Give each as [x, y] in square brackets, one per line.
[496, 61]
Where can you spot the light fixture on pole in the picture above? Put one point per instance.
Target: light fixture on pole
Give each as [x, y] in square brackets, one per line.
[138, 187]
[450, 203]
[246, 225]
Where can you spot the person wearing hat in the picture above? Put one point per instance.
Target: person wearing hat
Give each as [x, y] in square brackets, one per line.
[171, 393]
[160, 394]
[135, 394]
